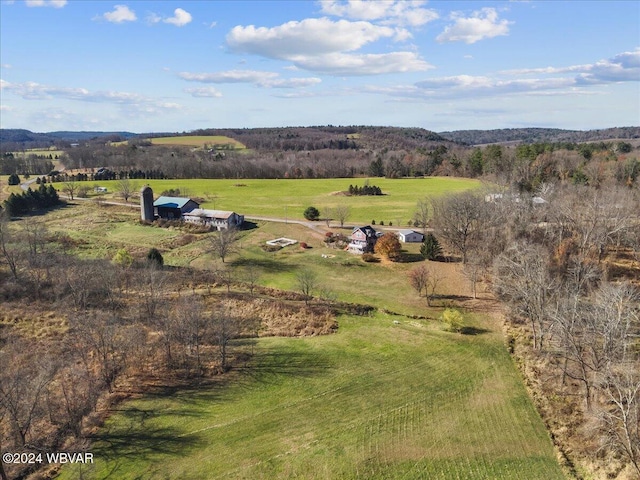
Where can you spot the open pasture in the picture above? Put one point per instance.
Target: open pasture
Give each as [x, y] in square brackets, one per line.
[377, 400]
[288, 198]
[199, 141]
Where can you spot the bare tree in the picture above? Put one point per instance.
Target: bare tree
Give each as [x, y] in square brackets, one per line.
[126, 188]
[70, 187]
[620, 416]
[342, 213]
[224, 242]
[9, 253]
[23, 380]
[458, 219]
[524, 281]
[306, 283]
[419, 278]
[422, 214]
[251, 276]
[224, 328]
[327, 215]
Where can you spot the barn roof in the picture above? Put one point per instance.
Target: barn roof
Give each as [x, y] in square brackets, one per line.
[172, 202]
[407, 232]
[210, 213]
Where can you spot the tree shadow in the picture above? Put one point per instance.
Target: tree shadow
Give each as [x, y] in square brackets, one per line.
[272, 367]
[473, 331]
[411, 257]
[266, 264]
[248, 225]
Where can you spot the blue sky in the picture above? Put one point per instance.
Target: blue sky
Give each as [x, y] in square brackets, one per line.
[146, 66]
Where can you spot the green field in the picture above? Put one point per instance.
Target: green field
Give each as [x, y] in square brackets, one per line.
[196, 141]
[377, 400]
[289, 198]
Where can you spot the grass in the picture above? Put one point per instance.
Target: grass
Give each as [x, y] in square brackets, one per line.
[196, 141]
[376, 400]
[289, 198]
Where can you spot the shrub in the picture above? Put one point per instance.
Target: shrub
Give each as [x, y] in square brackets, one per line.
[304, 245]
[14, 179]
[311, 213]
[453, 320]
[370, 258]
[155, 257]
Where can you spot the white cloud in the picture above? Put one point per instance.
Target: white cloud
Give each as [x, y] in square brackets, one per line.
[312, 36]
[343, 64]
[6, 65]
[120, 13]
[481, 25]
[180, 18]
[153, 18]
[257, 78]
[46, 3]
[203, 92]
[230, 76]
[623, 67]
[322, 45]
[134, 101]
[398, 12]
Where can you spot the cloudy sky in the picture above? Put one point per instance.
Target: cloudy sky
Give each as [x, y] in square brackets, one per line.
[169, 65]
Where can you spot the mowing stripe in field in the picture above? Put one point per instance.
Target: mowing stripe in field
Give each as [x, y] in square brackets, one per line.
[376, 400]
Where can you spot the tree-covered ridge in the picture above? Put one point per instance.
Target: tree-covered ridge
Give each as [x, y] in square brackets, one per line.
[537, 135]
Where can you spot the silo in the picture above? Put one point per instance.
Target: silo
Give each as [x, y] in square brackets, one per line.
[146, 204]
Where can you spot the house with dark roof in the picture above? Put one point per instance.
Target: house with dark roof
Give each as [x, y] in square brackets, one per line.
[174, 208]
[363, 239]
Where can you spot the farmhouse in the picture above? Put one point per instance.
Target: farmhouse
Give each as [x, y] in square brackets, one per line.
[409, 236]
[174, 207]
[363, 239]
[219, 219]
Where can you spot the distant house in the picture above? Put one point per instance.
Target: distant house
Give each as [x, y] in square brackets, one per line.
[219, 219]
[173, 208]
[409, 236]
[363, 239]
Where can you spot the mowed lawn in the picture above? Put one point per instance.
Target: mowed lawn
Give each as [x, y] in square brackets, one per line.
[289, 198]
[377, 400]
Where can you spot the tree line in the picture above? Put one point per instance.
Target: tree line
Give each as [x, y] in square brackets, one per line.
[567, 269]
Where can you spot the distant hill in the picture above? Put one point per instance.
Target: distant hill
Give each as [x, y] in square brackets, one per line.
[16, 139]
[535, 135]
[328, 137]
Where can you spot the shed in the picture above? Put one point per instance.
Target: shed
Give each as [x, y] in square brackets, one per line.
[409, 236]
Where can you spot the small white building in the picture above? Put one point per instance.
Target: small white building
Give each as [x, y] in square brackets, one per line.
[219, 219]
[409, 236]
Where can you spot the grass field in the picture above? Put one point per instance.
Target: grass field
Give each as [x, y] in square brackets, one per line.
[289, 198]
[196, 141]
[377, 400]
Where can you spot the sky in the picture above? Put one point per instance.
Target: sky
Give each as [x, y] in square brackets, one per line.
[178, 66]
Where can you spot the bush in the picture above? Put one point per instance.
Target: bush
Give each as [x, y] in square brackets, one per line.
[370, 258]
[14, 179]
[453, 320]
[312, 213]
[304, 245]
[155, 257]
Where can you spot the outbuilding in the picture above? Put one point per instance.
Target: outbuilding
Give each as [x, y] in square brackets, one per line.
[173, 208]
[410, 236]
